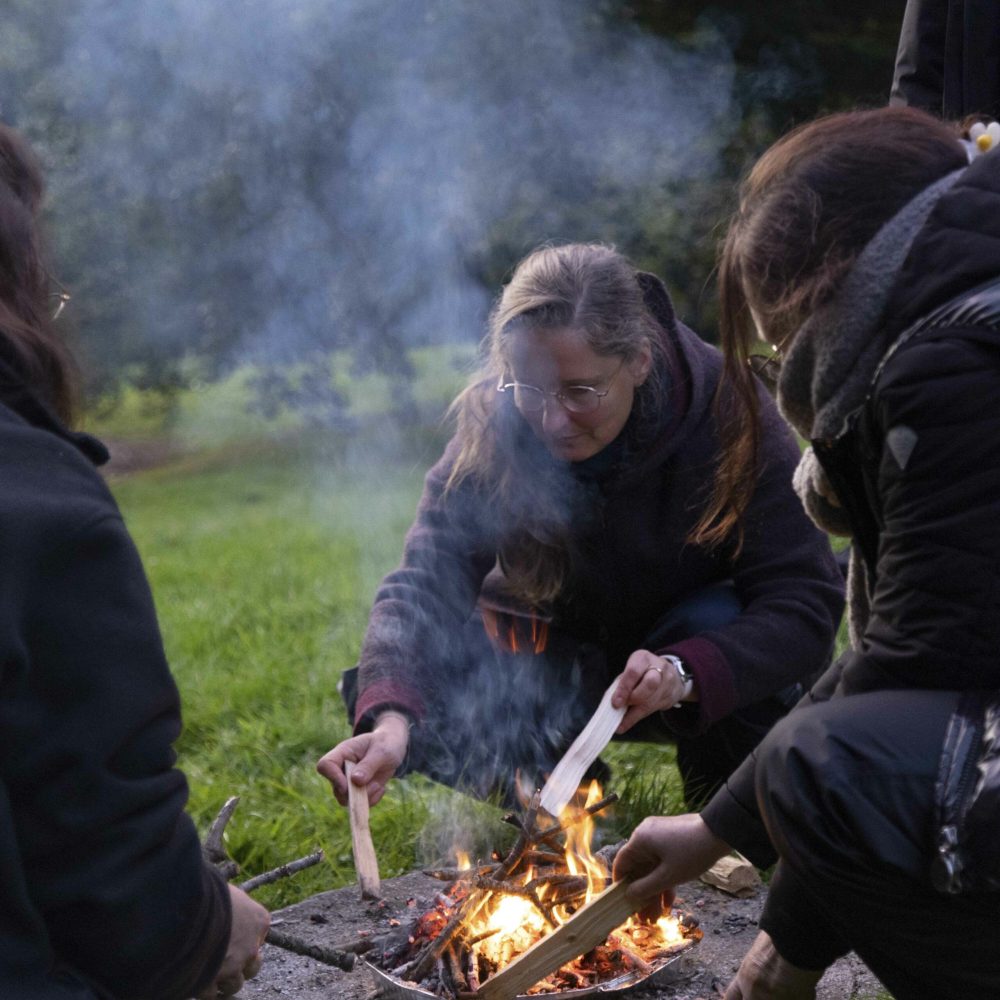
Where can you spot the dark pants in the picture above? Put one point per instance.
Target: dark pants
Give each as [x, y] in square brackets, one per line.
[506, 718]
[847, 791]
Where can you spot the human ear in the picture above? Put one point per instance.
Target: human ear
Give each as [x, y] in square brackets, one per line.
[642, 364]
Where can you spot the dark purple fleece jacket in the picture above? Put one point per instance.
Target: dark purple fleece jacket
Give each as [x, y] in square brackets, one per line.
[633, 559]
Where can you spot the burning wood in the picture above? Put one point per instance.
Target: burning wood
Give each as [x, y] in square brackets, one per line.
[480, 929]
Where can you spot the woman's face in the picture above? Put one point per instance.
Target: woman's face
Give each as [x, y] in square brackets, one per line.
[556, 360]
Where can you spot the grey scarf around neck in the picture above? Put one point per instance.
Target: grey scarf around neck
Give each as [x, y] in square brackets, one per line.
[827, 372]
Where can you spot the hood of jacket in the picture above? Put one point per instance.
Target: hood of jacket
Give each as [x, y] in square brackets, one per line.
[957, 249]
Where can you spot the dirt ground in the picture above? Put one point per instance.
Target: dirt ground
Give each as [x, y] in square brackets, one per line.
[332, 918]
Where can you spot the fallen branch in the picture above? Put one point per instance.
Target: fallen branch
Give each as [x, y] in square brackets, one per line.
[345, 960]
[282, 871]
[215, 853]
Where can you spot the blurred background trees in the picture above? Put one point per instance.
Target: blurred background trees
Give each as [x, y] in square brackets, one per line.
[264, 182]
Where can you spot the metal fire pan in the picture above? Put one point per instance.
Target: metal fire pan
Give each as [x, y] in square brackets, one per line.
[389, 986]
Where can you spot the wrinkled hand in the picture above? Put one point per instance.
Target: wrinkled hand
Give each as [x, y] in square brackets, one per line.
[246, 938]
[664, 851]
[765, 975]
[378, 756]
[647, 684]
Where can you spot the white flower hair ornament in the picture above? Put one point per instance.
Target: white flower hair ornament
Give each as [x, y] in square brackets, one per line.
[982, 138]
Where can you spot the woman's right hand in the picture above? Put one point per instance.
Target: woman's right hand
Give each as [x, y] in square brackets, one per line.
[664, 851]
[377, 756]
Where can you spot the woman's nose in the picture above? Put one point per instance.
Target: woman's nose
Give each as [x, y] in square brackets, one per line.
[555, 416]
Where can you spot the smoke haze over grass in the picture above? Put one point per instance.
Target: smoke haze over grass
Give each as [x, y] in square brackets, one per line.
[255, 180]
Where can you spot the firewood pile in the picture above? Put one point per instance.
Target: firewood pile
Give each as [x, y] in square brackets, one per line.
[492, 912]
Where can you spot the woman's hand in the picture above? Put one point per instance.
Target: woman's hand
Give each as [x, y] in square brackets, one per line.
[377, 754]
[648, 684]
[250, 922]
[664, 851]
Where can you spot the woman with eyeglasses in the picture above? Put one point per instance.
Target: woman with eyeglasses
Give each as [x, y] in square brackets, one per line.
[104, 889]
[867, 246]
[570, 537]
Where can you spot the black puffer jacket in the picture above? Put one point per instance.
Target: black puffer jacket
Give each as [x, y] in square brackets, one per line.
[104, 892]
[918, 471]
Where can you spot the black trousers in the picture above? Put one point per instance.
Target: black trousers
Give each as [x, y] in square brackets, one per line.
[847, 792]
[502, 719]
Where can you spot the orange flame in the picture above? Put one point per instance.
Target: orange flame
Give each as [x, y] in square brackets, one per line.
[508, 924]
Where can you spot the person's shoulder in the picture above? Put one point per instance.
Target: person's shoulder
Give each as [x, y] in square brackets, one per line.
[47, 485]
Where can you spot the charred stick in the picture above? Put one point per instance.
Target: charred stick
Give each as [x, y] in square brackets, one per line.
[424, 962]
[593, 810]
[459, 874]
[360, 946]
[453, 966]
[471, 971]
[559, 880]
[634, 961]
[282, 871]
[549, 858]
[345, 960]
[524, 839]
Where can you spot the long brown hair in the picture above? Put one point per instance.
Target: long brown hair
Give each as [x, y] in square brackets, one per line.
[806, 211]
[28, 342]
[590, 288]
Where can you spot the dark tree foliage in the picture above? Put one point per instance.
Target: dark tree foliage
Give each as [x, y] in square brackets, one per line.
[266, 182]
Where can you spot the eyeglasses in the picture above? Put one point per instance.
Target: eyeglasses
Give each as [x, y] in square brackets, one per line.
[572, 398]
[60, 299]
[766, 366]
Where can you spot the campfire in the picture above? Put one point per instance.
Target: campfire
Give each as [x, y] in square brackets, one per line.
[492, 913]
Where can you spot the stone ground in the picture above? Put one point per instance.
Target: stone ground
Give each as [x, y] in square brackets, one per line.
[331, 918]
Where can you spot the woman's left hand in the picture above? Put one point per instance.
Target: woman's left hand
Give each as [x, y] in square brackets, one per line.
[648, 684]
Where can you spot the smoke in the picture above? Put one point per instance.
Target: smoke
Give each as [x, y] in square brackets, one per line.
[276, 176]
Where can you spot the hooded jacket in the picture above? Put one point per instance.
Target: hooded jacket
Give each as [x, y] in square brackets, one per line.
[918, 470]
[630, 523]
[105, 893]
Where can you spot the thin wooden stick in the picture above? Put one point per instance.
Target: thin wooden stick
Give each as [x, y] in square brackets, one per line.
[565, 779]
[586, 929]
[365, 862]
[282, 871]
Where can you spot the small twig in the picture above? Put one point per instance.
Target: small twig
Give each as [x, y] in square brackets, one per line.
[282, 871]
[597, 807]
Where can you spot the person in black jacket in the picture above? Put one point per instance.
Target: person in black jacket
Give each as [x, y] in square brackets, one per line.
[866, 253]
[105, 893]
[948, 60]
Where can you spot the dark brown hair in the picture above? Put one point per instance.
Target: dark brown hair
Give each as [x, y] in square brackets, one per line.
[806, 211]
[28, 342]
